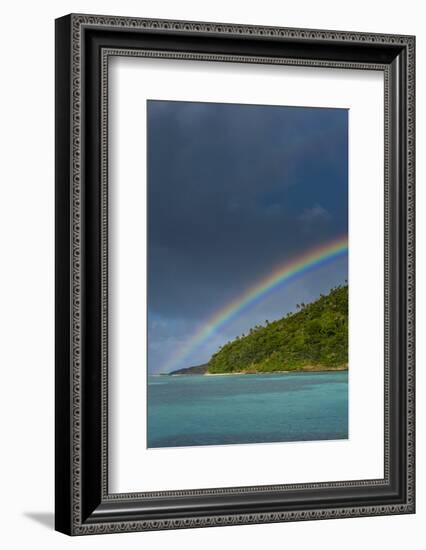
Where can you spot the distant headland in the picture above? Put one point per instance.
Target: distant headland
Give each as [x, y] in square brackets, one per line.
[313, 339]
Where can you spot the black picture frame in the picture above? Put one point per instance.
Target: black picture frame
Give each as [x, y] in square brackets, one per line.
[83, 504]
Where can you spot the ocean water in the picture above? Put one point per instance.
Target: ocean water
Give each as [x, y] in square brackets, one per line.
[223, 410]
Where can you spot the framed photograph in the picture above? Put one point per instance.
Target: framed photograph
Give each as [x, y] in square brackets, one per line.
[234, 274]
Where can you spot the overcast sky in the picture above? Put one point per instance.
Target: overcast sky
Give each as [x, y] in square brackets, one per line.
[233, 191]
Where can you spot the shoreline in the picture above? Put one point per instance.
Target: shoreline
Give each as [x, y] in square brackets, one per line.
[245, 373]
[268, 372]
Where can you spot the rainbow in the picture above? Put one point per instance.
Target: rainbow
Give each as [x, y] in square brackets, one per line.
[280, 275]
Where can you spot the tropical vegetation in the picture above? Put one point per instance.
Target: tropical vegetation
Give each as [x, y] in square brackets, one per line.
[315, 337]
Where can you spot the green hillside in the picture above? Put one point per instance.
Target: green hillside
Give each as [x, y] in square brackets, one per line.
[314, 338]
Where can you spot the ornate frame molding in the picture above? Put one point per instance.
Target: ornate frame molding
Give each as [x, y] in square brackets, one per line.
[71, 31]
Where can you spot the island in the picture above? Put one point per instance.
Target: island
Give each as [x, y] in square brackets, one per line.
[197, 369]
[312, 339]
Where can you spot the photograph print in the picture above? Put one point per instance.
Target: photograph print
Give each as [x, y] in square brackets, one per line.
[247, 274]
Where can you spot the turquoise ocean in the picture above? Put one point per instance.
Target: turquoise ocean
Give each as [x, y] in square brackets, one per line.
[192, 410]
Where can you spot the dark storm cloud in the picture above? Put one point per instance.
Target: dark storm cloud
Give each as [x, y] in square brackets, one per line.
[233, 191]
